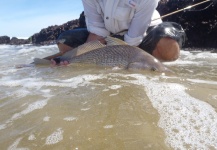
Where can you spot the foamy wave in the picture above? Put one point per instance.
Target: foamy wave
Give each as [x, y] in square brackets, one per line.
[34, 106]
[38, 83]
[3, 126]
[115, 87]
[31, 107]
[70, 118]
[195, 58]
[46, 118]
[21, 93]
[202, 81]
[26, 50]
[14, 146]
[108, 126]
[55, 137]
[188, 122]
[31, 137]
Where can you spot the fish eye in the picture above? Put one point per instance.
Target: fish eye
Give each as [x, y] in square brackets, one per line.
[153, 69]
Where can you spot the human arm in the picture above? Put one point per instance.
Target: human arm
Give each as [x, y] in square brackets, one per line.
[94, 21]
[93, 37]
[140, 22]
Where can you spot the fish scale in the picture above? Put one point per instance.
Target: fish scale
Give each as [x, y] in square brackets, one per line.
[116, 55]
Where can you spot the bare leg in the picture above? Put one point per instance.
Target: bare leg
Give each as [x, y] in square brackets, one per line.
[62, 48]
[167, 49]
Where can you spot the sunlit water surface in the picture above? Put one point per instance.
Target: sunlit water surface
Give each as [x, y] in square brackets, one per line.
[87, 107]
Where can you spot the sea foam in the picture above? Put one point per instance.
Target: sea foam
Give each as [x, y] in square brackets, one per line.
[31, 107]
[55, 137]
[189, 123]
[14, 146]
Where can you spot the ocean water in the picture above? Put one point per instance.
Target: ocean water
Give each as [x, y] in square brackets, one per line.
[87, 107]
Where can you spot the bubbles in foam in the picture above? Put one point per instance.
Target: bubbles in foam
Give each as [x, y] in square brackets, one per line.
[85, 109]
[188, 122]
[55, 137]
[25, 50]
[46, 118]
[21, 93]
[202, 81]
[3, 126]
[108, 126]
[115, 87]
[214, 97]
[105, 90]
[8, 71]
[37, 83]
[70, 118]
[10, 83]
[31, 137]
[114, 94]
[206, 54]
[27, 82]
[81, 80]
[46, 93]
[34, 106]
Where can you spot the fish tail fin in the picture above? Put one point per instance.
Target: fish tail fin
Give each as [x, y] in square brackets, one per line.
[40, 61]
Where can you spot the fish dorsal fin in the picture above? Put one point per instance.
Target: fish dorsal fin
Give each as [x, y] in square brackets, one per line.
[86, 47]
[114, 41]
[92, 45]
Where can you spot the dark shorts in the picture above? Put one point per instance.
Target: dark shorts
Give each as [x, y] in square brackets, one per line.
[76, 37]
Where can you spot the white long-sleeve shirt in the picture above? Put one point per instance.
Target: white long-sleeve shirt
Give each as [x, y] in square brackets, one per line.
[111, 16]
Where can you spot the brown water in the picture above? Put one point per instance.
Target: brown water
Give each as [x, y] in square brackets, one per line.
[86, 107]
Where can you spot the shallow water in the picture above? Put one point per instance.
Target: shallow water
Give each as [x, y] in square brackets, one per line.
[87, 107]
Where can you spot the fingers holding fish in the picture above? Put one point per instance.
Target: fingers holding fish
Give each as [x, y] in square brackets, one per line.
[59, 62]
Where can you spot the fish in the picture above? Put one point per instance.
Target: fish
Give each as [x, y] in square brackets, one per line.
[116, 53]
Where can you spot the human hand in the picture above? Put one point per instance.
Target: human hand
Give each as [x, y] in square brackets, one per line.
[57, 61]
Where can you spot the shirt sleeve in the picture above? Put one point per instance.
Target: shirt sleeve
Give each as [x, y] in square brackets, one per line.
[140, 22]
[94, 20]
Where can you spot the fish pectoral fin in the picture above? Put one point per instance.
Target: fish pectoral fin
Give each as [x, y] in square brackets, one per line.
[39, 61]
[87, 47]
[114, 41]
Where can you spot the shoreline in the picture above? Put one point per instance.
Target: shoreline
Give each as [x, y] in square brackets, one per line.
[198, 23]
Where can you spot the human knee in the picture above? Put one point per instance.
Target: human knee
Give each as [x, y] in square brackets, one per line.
[167, 49]
[63, 48]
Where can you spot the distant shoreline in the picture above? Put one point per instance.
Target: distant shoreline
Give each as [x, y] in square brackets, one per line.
[199, 24]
